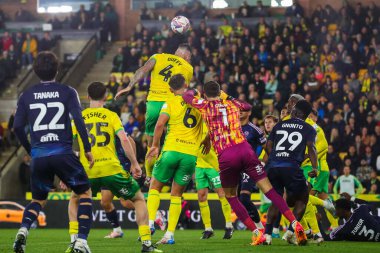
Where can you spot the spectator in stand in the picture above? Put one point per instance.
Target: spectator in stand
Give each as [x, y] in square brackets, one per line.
[183, 11]
[46, 43]
[82, 18]
[260, 10]
[24, 174]
[132, 123]
[296, 10]
[372, 185]
[118, 61]
[112, 23]
[363, 172]
[244, 11]
[145, 13]
[113, 85]
[23, 15]
[2, 19]
[6, 41]
[348, 183]
[29, 51]
[198, 11]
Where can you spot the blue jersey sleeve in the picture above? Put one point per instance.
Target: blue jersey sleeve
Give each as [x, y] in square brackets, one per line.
[20, 123]
[311, 134]
[75, 110]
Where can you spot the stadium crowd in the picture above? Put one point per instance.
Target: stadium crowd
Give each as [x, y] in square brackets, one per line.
[332, 59]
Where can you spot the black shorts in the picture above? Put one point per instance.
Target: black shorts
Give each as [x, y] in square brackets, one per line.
[247, 184]
[67, 167]
[291, 179]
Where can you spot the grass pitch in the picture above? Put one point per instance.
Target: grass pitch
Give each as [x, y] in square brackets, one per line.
[56, 241]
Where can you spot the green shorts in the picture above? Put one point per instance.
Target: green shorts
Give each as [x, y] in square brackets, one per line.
[306, 169]
[174, 165]
[321, 183]
[121, 185]
[153, 109]
[207, 178]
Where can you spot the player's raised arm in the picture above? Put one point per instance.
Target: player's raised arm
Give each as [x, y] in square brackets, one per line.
[75, 110]
[19, 125]
[139, 74]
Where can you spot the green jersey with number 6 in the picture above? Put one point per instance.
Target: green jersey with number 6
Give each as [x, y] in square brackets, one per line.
[165, 67]
[184, 127]
[102, 126]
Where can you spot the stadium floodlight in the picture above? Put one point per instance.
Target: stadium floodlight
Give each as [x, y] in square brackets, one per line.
[219, 4]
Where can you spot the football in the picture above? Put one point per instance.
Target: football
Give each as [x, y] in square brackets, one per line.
[180, 24]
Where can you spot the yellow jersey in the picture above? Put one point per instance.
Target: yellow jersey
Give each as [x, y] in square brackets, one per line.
[166, 66]
[209, 161]
[321, 144]
[102, 126]
[184, 127]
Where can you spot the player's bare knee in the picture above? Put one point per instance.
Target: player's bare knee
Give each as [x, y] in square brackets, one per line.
[220, 193]
[202, 195]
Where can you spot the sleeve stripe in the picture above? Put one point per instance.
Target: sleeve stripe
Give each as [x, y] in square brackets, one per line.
[118, 130]
[165, 113]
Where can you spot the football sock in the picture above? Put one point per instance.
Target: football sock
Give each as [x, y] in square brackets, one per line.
[153, 203]
[145, 236]
[84, 217]
[73, 230]
[30, 214]
[205, 214]
[226, 208]
[276, 224]
[315, 200]
[311, 218]
[241, 213]
[149, 165]
[333, 221]
[251, 208]
[175, 209]
[280, 204]
[112, 217]
[268, 229]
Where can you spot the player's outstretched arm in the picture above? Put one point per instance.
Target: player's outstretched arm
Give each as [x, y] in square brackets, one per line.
[19, 125]
[158, 130]
[139, 74]
[129, 151]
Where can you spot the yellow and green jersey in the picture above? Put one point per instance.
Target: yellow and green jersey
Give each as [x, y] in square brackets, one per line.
[209, 161]
[166, 66]
[102, 126]
[184, 127]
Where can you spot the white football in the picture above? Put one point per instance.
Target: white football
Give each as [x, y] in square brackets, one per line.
[180, 24]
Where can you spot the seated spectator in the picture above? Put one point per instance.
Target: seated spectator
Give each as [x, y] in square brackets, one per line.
[132, 123]
[372, 185]
[271, 86]
[118, 61]
[29, 51]
[226, 28]
[124, 113]
[6, 41]
[113, 85]
[363, 172]
[244, 11]
[46, 43]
